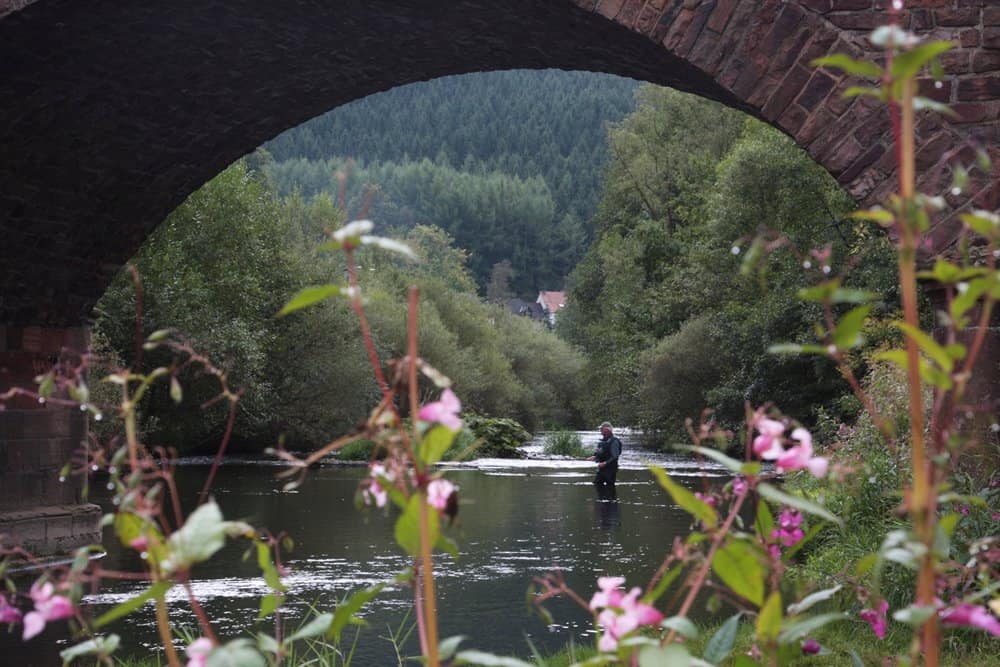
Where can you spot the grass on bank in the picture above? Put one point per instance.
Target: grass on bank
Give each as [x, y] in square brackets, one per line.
[565, 443]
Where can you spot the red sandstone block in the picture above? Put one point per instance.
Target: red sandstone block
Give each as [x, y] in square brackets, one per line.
[820, 6]
[956, 62]
[982, 89]
[968, 16]
[968, 38]
[985, 61]
[975, 112]
[857, 20]
[610, 8]
[790, 87]
[838, 5]
[991, 15]
[939, 91]
[792, 120]
[932, 151]
[816, 90]
[920, 20]
[720, 17]
[861, 164]
[991, 38]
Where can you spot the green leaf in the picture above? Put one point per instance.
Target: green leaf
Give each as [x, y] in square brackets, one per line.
[682, 625]
[845, 63]
[435, 443]
[908, 64]
[176, 393]
[855, 658]
[809, 507]
[157, 590]
[447, 647]
[309, 296]
[764, 521]
[983, 223]
[237, 653]
[407, 529]
[267, 644]
[738, 566]
[314, 628]
[715, 455]
[96, 646]
[745, 661]
[673, 655]
[848, 332]
[769, 621]
[699, 509]
[721, 644]
[796, 631]
[46, 385]
[913, 615]
[876, 214]
[848, 295]
[346, 610]
[930, 346]
[812, 599]
[203, 534]
[965, 300]
[488, 660]
[269, 604]
[663, 584]
[391, 245]
[267, 568]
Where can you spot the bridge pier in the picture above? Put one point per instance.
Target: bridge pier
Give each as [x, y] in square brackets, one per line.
[39, 512]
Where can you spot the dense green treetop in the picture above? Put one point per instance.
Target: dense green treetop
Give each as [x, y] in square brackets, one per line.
[528, 123]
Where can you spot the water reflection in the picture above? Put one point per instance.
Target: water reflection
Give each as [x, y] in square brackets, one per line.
[517, 520]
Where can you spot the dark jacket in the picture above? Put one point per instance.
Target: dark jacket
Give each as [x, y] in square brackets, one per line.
[608, 449]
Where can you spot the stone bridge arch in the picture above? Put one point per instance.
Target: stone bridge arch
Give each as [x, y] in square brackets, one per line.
[111, 113]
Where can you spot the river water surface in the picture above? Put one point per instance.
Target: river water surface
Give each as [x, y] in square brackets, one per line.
[518, 519]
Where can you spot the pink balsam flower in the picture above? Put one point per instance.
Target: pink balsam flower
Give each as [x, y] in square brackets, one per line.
[876, 618]
[8, 612]
[789, 531]
[609, 594]
[373, 493]
[621, 614]
[801, 456]
[197, 652]
[438, 492]
[444, 411]
[768, 445]
[970, 615]
[48, 607]
[740, 486]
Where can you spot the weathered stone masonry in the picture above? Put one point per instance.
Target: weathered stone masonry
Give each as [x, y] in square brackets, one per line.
[112, 112]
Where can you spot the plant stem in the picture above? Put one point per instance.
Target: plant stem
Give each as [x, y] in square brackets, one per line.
[166, 636]
[427, 580]
[922, 499]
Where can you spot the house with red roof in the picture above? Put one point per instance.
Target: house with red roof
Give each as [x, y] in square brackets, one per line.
[551, 303]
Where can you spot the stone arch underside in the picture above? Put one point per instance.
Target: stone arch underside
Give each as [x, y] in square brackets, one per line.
[114, 112]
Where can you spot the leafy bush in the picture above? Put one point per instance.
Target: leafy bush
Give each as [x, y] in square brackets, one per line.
[565, 443]
[499, 438]
[359, 450]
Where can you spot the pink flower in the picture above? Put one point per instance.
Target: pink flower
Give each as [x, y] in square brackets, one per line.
[789, 531]
[140, 543]
[811, 647]
[971, 615]
[876, 618]
[622, 613]
[438, 492]
[609, 595]
[8, 612]
[801, 456]
[740, 486]
[767, 445]
[706, 498]
[373, 492]
[197, 652]
[48, 607]
[444, 411]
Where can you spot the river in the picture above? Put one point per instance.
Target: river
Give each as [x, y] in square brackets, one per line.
[518, 519]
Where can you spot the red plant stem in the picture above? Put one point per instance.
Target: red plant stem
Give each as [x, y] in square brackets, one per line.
[163, 626]
[203, 496]
[699, 579]
[352, 277]
[199, 611]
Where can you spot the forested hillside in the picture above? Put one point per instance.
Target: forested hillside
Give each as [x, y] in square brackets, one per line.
[526, 123]
[508, 163]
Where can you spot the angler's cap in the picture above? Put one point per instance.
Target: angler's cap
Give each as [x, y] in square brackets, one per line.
[605, 424]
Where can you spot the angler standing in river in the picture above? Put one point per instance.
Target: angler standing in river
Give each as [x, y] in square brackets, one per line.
[609, 448]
